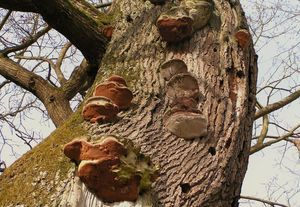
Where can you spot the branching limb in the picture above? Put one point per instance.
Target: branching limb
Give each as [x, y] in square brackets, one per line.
[57, 105]
[257, 147]
[27, 42]
[271, 203]
[81, 79]
[5, 19]
[78, 21]
[277, 105]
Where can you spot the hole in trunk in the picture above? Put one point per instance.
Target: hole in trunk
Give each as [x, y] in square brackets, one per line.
[228, 143]
[185, 187]
[212, 151]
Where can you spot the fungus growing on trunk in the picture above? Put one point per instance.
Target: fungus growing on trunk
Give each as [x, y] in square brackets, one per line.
[119, 94]
[243, 37]
[175, 25]
[108, 31]
[183, 85]
[114, 171]
[171, 68]
[186, 124]
[117, 79]
[97, 109]
[199, 11]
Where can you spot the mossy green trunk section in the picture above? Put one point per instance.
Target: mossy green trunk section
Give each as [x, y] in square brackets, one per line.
[35, 176]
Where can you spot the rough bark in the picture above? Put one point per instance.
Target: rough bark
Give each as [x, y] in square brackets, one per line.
[200, 172]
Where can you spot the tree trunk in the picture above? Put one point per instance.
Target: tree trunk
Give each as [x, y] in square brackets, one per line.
[200, 172]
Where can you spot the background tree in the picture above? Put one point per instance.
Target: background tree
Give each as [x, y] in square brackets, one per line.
[123, 59]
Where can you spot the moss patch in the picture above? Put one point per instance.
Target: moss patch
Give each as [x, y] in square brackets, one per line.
[19, 184]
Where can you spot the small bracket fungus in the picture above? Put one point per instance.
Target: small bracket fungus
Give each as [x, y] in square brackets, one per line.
[243, 37]
[97, 109]
[116, 90]
[114, 171]
[175, 25]
[183, 85]
[171, 68]
[108, 31]
[187, 125]
[199, 11]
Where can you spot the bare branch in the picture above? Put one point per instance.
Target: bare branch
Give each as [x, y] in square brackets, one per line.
[277, 105]
[271, 203]
[76, 25]
[27, 42]
[258, 147]
[5, 19]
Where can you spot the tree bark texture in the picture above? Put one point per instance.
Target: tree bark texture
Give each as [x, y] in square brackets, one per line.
[193, 173]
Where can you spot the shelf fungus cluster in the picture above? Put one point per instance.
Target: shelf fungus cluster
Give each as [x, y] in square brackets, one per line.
[112, 169]
[183, 119]
[180, 22]
[108, 98]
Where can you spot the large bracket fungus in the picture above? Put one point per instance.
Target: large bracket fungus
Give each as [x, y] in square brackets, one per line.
[98, 108]
[183, 119]
[175, 25]
[112, 170]
[186, 124]
[108, 98]
[180, 22]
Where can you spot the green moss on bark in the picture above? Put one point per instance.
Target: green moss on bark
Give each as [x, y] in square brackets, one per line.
[20, 183]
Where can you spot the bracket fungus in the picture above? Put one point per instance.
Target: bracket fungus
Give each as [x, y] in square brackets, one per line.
[112, 170]
[200, 11]
[175, 25]
[116, 90]
[186, 124]
[171, 68]
[243, 37]
[97, 109]
[183, 85]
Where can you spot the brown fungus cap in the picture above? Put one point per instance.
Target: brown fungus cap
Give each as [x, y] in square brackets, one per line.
[80, 149]
[175, 25]
[243, 37]
[117, 79]
[118, 94]
[113, 171]
[172, 67]
[183, 85]
[99, 177]
[97, 109]
[187, 125]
